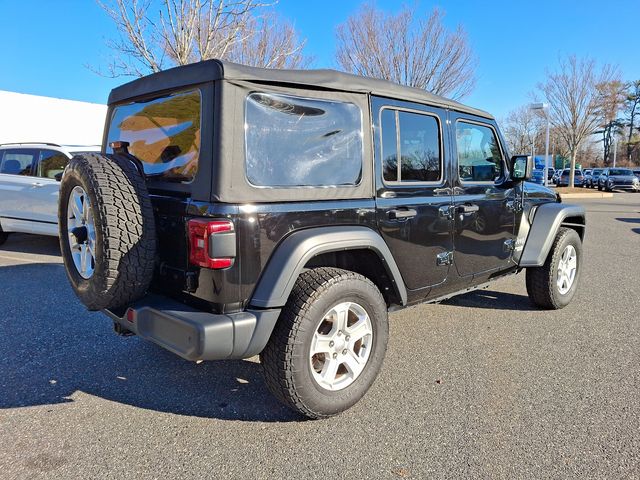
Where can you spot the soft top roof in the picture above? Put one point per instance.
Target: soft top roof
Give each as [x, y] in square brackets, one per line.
[210, 70]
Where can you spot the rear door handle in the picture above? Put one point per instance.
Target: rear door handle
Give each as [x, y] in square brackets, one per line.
[37, 184]
[468, 208]
[400, 213]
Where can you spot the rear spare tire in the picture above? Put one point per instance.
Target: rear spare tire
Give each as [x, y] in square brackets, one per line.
[107, 230]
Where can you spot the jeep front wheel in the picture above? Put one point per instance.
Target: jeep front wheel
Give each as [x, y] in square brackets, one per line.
[329, 343]
[553, 285]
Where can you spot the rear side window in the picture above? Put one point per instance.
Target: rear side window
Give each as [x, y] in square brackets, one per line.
[414, 138]
[51, 163]
[163, 133]
[18, 161]
[479, 155]
[302, 142]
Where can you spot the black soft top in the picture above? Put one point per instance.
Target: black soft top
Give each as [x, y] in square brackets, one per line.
[211, 70]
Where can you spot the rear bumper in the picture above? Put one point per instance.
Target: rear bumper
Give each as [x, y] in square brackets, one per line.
[195, 334]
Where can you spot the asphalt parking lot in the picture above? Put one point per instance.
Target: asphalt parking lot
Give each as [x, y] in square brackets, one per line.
[481, 386]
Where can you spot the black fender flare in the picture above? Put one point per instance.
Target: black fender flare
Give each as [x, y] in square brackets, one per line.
[293, 253]
[547, 219]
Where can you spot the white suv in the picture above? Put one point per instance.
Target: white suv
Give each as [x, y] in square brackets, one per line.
[30, 175]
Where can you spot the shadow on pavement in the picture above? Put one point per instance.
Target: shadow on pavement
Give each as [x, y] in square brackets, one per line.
[51, 348]
[628, 220]
[36, 244]
[636, 230]
[492, 300]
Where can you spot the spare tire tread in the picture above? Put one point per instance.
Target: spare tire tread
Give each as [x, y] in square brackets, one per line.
[125, 227]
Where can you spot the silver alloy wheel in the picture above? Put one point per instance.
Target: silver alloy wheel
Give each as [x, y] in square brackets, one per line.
[567, 268]
[81, 232]
[341, 346]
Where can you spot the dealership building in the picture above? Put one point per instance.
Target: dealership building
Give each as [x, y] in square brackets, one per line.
[32, 118]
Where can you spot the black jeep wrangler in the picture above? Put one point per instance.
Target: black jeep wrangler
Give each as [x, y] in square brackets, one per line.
[237, 211]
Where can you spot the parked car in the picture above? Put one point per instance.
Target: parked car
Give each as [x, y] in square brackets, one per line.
[555, 176]
[618, 179]
[30, 175]
[563, 179]
[538, 177]
[232, 215]
[636, 172]
[591, 178]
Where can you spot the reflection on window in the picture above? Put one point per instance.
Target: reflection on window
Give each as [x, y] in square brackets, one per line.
[51, 163]
[293, 141]
[164, 134]
[17, 162]
[419, 149]
[479, 156]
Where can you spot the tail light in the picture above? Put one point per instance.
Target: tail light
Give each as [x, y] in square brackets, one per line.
[212, 243]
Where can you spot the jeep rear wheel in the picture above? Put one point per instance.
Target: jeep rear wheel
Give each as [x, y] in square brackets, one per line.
[553, 285]
[107, 233]
[329, 343]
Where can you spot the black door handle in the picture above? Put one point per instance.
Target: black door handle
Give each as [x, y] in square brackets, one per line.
[400, 213]
[468, 208]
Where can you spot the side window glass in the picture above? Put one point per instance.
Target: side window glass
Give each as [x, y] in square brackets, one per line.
[51, 163]
[479, 156]
[389, 146]
[418, 150]
[18, 161]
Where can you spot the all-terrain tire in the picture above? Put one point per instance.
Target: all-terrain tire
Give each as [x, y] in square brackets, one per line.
[125, 242]
[286, 358]
[542, 281]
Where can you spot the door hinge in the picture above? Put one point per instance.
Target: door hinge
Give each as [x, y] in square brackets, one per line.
[515, 205]
[444, 258]
[447, 211]
[509, 245]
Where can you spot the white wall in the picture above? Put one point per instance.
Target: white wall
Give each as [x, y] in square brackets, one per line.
[31, 118]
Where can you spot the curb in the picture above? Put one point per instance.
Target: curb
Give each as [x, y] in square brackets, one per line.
[587, 195]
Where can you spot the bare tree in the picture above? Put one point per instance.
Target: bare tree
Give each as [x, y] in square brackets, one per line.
[573, 101]
[521, 129]
[156, 34]
[610, 98]
[419, 53]
[632, 109]
[269, 42]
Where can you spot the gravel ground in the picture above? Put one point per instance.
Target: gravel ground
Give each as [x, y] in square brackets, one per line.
[480, 386]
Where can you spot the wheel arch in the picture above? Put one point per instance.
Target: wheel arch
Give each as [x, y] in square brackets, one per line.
[548, 218]
[355, 248]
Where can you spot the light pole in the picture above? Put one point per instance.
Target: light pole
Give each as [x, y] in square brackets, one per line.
[545, 108]
[615, 150]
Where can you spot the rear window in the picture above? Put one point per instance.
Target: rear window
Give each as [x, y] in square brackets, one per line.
[302, 142]
[163, 133]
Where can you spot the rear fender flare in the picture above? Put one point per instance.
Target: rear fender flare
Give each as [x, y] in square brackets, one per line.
[293, 253]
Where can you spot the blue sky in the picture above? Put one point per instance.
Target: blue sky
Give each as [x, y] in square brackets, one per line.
[47, 45]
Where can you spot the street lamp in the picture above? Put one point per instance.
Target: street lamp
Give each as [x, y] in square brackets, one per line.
[545, 108]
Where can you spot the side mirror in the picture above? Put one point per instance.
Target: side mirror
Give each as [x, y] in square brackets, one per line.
[521, 167]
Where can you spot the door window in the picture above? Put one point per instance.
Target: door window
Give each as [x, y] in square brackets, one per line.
[51, 163]
[414, 138]
[17, 161]
[479, 155]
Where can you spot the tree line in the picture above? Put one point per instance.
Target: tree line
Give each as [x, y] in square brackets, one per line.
[594, 116]
[404, 48]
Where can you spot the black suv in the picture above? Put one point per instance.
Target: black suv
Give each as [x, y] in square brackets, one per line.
[237, 211]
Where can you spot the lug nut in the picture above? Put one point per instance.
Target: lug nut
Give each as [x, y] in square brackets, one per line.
[339, 332]
[344, 352]
[347, 338]
[331, 344]
[335, 355]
